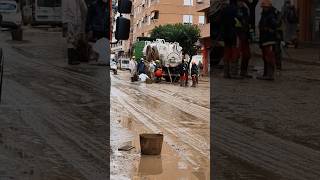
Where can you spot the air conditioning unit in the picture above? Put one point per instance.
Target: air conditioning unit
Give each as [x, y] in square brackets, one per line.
[199, 1]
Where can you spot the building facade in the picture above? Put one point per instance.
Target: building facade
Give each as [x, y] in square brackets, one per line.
[309, 12]
[309, 18]
[205, 39]
[147, 14]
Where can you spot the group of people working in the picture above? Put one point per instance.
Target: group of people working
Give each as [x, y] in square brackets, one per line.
[154, 71]
[234, 27]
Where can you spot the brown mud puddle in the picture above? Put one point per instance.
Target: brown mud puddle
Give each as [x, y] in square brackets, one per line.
[168, 165]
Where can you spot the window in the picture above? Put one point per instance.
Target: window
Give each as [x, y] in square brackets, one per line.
[188, 2]
[155, 15]
[149, 20]
[187, 19]
[201, 20]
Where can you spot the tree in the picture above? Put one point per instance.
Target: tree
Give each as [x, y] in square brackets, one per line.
[185, 35]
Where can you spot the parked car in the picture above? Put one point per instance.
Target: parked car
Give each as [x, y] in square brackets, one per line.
[124, 63]
[11, 18]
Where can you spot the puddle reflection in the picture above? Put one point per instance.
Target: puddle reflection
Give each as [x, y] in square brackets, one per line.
[150, 165]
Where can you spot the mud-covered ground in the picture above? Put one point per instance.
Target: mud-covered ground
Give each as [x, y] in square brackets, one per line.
[267, 130]
[53, 117]
[181, 114]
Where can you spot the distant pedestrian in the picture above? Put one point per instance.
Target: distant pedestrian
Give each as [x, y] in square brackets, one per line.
[183, 69]
[141, 67]
[290, 20]
[243, 32]
[194, 74]
[279, 40]
[152, 68]
[200, 68]
[133, 67]
[158, 71]
[267, 27]
[229, 22]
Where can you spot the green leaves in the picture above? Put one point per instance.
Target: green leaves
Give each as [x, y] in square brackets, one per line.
[185, 35]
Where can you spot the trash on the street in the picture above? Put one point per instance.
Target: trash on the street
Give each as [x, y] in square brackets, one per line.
[102, 48]
[143, 77]
[151, 144]
[125, 148]
[149, 81]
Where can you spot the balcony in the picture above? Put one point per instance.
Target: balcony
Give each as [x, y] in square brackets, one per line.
[205, 30]
[203, 7]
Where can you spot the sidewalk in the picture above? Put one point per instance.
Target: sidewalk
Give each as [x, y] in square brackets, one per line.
[301, 55]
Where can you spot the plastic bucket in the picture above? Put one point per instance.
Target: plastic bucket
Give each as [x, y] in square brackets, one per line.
[151, 144]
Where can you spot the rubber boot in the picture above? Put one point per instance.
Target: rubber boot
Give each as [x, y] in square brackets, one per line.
[226, 70]
[235, 70]
[72, 57]
[265, 69]
[244, 68]
[194, 81]
[270, 68]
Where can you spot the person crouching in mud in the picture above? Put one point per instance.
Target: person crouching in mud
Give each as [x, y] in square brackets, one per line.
[158, 71]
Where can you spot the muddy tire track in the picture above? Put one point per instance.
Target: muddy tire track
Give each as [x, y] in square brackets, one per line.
[53, 123]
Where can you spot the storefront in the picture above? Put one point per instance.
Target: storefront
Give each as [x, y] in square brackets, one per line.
[309, 12]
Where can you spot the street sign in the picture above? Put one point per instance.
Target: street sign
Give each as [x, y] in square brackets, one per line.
[124, 6]
[123, 24]
[122, 28]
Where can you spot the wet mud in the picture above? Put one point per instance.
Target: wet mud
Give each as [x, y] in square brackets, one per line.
[139, 109]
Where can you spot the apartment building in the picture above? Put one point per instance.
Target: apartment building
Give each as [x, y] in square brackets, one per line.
[147, 14]
[204, 7]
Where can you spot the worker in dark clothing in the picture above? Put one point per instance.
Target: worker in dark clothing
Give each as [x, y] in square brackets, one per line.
[279, 40]
[183, 69]
[243, 32]
[97, 26]
[194, 74]
[268, 25]
[231, 51]
[216, 31]
[141, 67]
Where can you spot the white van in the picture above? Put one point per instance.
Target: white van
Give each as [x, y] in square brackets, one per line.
[124, 63]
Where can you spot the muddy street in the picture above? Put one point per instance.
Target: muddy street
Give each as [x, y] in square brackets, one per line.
[267, 130]
[181, 114]
[53, 117]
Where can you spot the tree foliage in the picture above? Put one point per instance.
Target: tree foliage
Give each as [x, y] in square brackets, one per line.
[185, 35]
